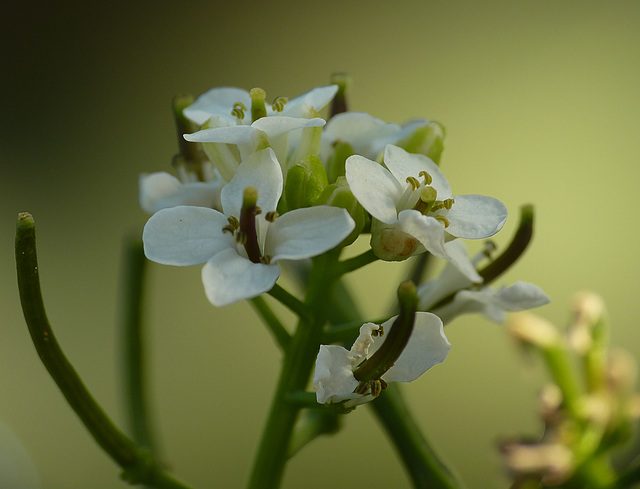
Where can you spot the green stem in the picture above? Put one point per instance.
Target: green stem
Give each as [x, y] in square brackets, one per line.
[298, 361]
[133, 344]
[290, 301]
[356, 262]
[425, 468]
[138, 465]
[279, 332]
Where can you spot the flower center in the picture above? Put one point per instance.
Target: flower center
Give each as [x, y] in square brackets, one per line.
[258, 105]
[421, 196]
[245, 230]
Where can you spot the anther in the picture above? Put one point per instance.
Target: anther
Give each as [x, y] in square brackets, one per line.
[279, 103]
[448, 203]
[238, 110]
[241, 237]
[228, 228]
[378, 332]
[489, 248]
[271, 216]
[443, 220]
[233, 222]
[413, 181]
[427, 178]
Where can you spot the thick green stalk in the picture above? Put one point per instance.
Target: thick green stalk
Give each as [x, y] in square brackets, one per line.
[299, 357]
[275, 326]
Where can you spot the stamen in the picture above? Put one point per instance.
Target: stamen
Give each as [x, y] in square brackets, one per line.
[279, 103]
[241, 237]
[448, 203]
[271, 216]
[489, 248]
[238, 110]
[228, 228]
[265, 259]
[378, 332]
[443, 220]
[377, 386]
[233, 222]
[413, 181]
[427, 178]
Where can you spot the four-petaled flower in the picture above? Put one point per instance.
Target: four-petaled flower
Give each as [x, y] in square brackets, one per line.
[241, 246]
[471, 296]
[334, 379]
[412, 207]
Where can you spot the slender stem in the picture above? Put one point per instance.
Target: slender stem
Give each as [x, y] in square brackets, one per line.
[138, 465]
[298, 361]
[280, 334]
[425, 468]
[133, 344]
[290, 301]
[356, 262]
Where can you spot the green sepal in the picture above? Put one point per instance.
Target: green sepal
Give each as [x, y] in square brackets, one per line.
[305, 182]
[338, 194]
[335, 164]
[427, 140]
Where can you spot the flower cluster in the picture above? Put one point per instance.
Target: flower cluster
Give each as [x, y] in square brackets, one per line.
[259, 184]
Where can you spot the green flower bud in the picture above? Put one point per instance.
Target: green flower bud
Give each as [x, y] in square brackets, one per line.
[338, 194]
[426, 140]
[335, 163]
[305, 182]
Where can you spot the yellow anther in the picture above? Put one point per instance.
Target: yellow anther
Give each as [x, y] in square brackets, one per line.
[413, 181]
[238, 110]
[241, 237]
[228, 229]
[443, 220]
[271, 216]
[233, 222]
[489, 248]
[427, 178]
[448, 203]
[378, 332]
[279, 103]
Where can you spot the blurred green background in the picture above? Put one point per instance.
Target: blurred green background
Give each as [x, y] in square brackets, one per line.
[541, 104]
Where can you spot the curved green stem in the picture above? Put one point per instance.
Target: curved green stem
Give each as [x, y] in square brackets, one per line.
[279, 332]
[352, 264]
[424, 467]
[138, 465]
[133, 344]
[290, 301]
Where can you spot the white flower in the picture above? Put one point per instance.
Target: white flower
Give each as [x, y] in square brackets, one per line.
[161, 190]
[411, 204]
[241, 253]
[366, 134]
[470, 297]
[334, 380]
[226, 113]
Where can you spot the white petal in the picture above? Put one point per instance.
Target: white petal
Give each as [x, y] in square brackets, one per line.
[333, 378]
[185, 235]
[460, 260]
[161, 190]
[403, 165]
[303, 233]
[375, 188]
[426, 229]
[229, 277]
[260, 170]
[521, 296]
[475, 216]
[427, 346]
[228, 134]
[218, 101]
[279, 125]
[317, 98]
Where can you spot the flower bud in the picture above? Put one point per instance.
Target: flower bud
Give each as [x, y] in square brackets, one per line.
[390, 243]
[305, 182]
[426, 139]
[338, 194]
[335, 163]
[533, 330]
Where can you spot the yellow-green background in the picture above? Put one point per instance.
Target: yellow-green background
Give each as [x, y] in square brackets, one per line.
[541, 102]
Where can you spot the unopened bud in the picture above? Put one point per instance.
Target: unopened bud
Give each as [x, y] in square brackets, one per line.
[305, 182]
[533, 330]
[339, 194]
[427, 139]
